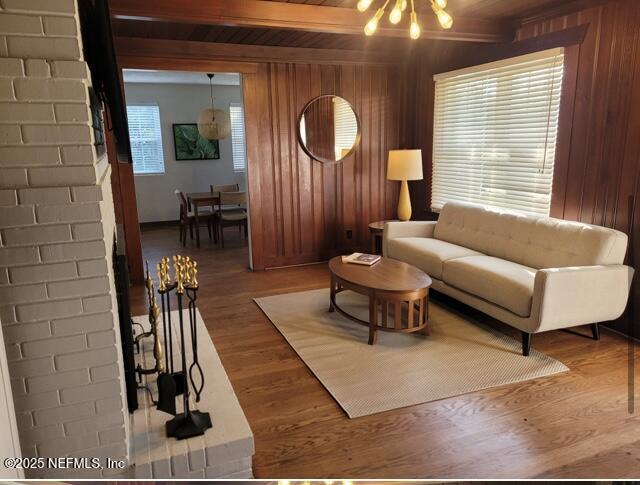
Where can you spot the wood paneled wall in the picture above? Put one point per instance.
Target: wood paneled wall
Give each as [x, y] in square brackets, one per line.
[603, 172]
[301, 209]
[597, 177]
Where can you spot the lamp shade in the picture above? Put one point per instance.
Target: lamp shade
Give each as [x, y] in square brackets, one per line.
[214, 124]
[404, 165]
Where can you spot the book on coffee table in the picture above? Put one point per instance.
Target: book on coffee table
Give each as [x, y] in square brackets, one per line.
[362, 258]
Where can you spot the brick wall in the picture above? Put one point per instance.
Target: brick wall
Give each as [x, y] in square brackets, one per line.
[57, 303]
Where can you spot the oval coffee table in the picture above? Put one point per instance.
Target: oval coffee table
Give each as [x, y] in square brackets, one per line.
[388, 282]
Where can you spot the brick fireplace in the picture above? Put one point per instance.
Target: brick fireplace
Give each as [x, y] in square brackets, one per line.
[57, 298]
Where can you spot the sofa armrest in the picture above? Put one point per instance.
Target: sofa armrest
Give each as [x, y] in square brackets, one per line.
[396, 229]
[567, 297]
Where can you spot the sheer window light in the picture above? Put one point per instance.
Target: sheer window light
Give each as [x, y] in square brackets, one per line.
[345, 127]
[495, 129]
[237, 137]
[146, 139]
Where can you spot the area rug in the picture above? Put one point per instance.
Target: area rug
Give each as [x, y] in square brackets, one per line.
[460, 356]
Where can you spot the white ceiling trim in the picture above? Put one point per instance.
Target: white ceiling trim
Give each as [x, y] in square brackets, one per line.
[178, 77]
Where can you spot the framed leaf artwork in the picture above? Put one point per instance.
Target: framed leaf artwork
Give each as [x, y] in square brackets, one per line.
[190, 145]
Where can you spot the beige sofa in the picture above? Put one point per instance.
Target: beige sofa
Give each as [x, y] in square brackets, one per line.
[535, 274]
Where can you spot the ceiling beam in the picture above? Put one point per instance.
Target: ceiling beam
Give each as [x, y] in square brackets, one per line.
[186, 52]
[313, 18]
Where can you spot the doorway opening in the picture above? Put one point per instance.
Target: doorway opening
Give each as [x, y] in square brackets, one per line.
[191, 190]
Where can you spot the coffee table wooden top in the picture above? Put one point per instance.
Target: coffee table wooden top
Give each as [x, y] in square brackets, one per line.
[386, 275]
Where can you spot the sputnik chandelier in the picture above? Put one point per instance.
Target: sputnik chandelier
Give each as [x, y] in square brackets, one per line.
[438, 7]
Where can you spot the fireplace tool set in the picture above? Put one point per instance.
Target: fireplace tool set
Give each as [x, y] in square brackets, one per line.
[171, 381]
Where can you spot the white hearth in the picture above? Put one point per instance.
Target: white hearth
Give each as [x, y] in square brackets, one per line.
[224, 451]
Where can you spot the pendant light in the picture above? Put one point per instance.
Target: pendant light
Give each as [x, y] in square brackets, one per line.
[395, 16]
[213, 124]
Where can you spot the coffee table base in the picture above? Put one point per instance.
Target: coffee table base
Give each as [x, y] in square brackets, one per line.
[415, 302]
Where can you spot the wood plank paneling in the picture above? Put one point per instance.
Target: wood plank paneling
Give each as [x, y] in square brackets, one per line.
[258, 36]
[603, 180]
[303, 209]
[293, 16]
[480, 8]
[597, 177]
[180, 49]
[307, 207]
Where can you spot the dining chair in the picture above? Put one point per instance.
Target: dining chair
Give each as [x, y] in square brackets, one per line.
[215, 191]
[231, 212]
[224, 188]
[187, 218]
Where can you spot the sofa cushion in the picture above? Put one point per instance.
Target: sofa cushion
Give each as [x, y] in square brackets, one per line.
[537, 242]
[426, 253]
[507, 284]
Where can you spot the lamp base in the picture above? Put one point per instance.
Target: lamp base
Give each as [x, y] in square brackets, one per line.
[404, 202]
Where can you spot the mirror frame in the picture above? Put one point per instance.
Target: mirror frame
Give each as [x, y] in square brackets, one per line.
[355, 143]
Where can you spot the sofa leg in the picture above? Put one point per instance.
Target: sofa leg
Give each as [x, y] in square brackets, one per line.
[526, 343]
[595, 330]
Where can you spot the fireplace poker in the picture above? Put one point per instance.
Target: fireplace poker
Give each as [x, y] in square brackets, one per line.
[192, 293]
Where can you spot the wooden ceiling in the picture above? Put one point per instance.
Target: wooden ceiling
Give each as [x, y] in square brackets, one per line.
[337, 24]
[491, 9]
[253, 36]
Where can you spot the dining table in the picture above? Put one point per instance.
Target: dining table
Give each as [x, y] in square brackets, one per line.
[201, 199]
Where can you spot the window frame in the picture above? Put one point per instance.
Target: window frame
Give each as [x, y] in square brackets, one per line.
[160, 140]
[244, 138]
[556, 149]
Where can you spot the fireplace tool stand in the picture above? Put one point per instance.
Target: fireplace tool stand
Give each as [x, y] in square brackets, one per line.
[158, 350]
[170, 382]
[190, 422]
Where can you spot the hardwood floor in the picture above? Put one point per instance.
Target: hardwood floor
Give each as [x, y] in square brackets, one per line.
[573, 425]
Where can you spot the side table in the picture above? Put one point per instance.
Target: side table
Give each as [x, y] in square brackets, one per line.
[376, 229]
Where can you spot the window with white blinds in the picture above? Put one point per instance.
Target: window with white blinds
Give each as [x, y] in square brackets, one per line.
[345, 127]
[146, 139]
[495, 129]
[237, 137]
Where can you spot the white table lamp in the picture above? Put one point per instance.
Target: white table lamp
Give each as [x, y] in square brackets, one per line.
[404, 165]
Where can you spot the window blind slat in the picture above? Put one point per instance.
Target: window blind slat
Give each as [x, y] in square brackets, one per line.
[345, 127]
[495, 129]
[237, 137]
[146, 139]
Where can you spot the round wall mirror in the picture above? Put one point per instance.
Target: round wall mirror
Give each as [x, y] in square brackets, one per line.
[328, 129]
